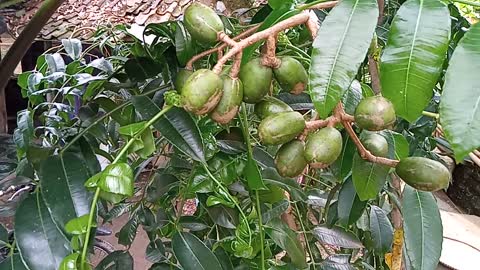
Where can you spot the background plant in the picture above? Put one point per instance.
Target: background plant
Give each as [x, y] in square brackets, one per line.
[247, 215]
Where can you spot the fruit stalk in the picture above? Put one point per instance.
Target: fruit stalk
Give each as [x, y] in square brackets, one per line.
[236, 65]
[269, 59]
[281, 26]
[220, 48]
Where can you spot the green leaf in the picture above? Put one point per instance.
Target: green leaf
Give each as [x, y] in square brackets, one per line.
[73, 47]
[117, 178]
[103, 65]
[413, 57]
[223, 216]
[183, 44]
[352, 97]
[368, 178]
[460, 104]
[224, 259]
[129, 231]
[192, 254]
[55, 62]
[70, 262]
[277, 209]
[118, 260]
[398, 147]
[13, 262]
[298, 102]
[79, 225]
[336, 236]
[41, 245]
[381, 229]
[132, 129]
[177, 126]
[423, 229]
[252, 173]
[343, 164]
[271, 176]
[3, 236]
[349, 208]
[141, 68]
[155, 251]
[287, 239]
[276, 4]
[24, 132]
[62, 179]
[349, 29]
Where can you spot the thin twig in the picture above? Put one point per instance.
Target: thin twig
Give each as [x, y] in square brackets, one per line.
[220, 48]
[269, 59]
[236, 65]
[373, 69]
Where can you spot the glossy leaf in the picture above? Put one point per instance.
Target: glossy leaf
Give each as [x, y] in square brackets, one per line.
[349, 208]
[103, 65]
[224, 259]
[398, 147]
[70, 262]
[337, 262]
[368, 178]
[192, 254]
[78, 226]
[297, 102]
[223, 216]
[55, 62]
[155, 251]
[62, 179]
[276, 211]
[13, 262]
[129, 231]
[413, 57]
[423, 229]
[352, 97]
[336, 236]
[381, 230]
[349, 29]
[73, 47]
[177, 126]
[183, 44]
[252, 173]
[343, 165]
[41, 244]
[460, 104]
[287, 239]
[118, 260]
[271, 176]
[117, 178]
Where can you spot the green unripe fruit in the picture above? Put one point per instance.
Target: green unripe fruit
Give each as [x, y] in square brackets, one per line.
[375, 113]
[376, 144]
[423, 173]
[281, 128]
[270, 105]
[231, 100]
[202, 91]
[323, 147]
[202, 23]
[290, 159]
[291, 75]
[256, 79]
[181, 78]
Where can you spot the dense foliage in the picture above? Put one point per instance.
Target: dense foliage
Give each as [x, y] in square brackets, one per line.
[287, 157]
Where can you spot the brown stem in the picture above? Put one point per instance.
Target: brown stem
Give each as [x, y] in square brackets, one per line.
[398, 225]
[374, 75]
[236, 65]
[226, 39]
[313, 24]
[220, 48]
[269, 59]
[286, 24]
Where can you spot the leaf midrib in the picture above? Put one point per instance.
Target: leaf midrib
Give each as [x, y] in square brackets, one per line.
[67, 180]
[421, 227]
[190, 250]
[407, 79]
[43, 226]
[347, 27]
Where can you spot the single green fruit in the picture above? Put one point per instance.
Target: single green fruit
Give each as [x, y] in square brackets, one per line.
[181, 78]
[291, 75]
[376, 144]
[375, 113]
[202, 23]
[290, 159]
[273, 195]
[323, 147]
[230, 102]
[270, 105]
[256, 79]
[281, 128]
[423, 173]
[202, 91]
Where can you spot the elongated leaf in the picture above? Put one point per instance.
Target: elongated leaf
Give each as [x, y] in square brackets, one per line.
[368, 178]
[223, 216]
[349, 30]
[423, 229]
[381, 229]
[129, 231]
[183, 44]
[62, 180]
[73, 47]
[343, 165]
[297, 102]
[192, 254]
[287, 239]
[41, 245]
[224, 259]
[349, 208]
[13, 263]
[460, 104]
[336, 236]
[277, 209]
[413, 57]
[119, 259]
[271, 176]
[398, 147]
[177, 126]
[55, 62]
[155, 251]
[252, 173]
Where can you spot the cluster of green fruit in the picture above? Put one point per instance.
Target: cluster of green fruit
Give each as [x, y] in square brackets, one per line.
[205, 92]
